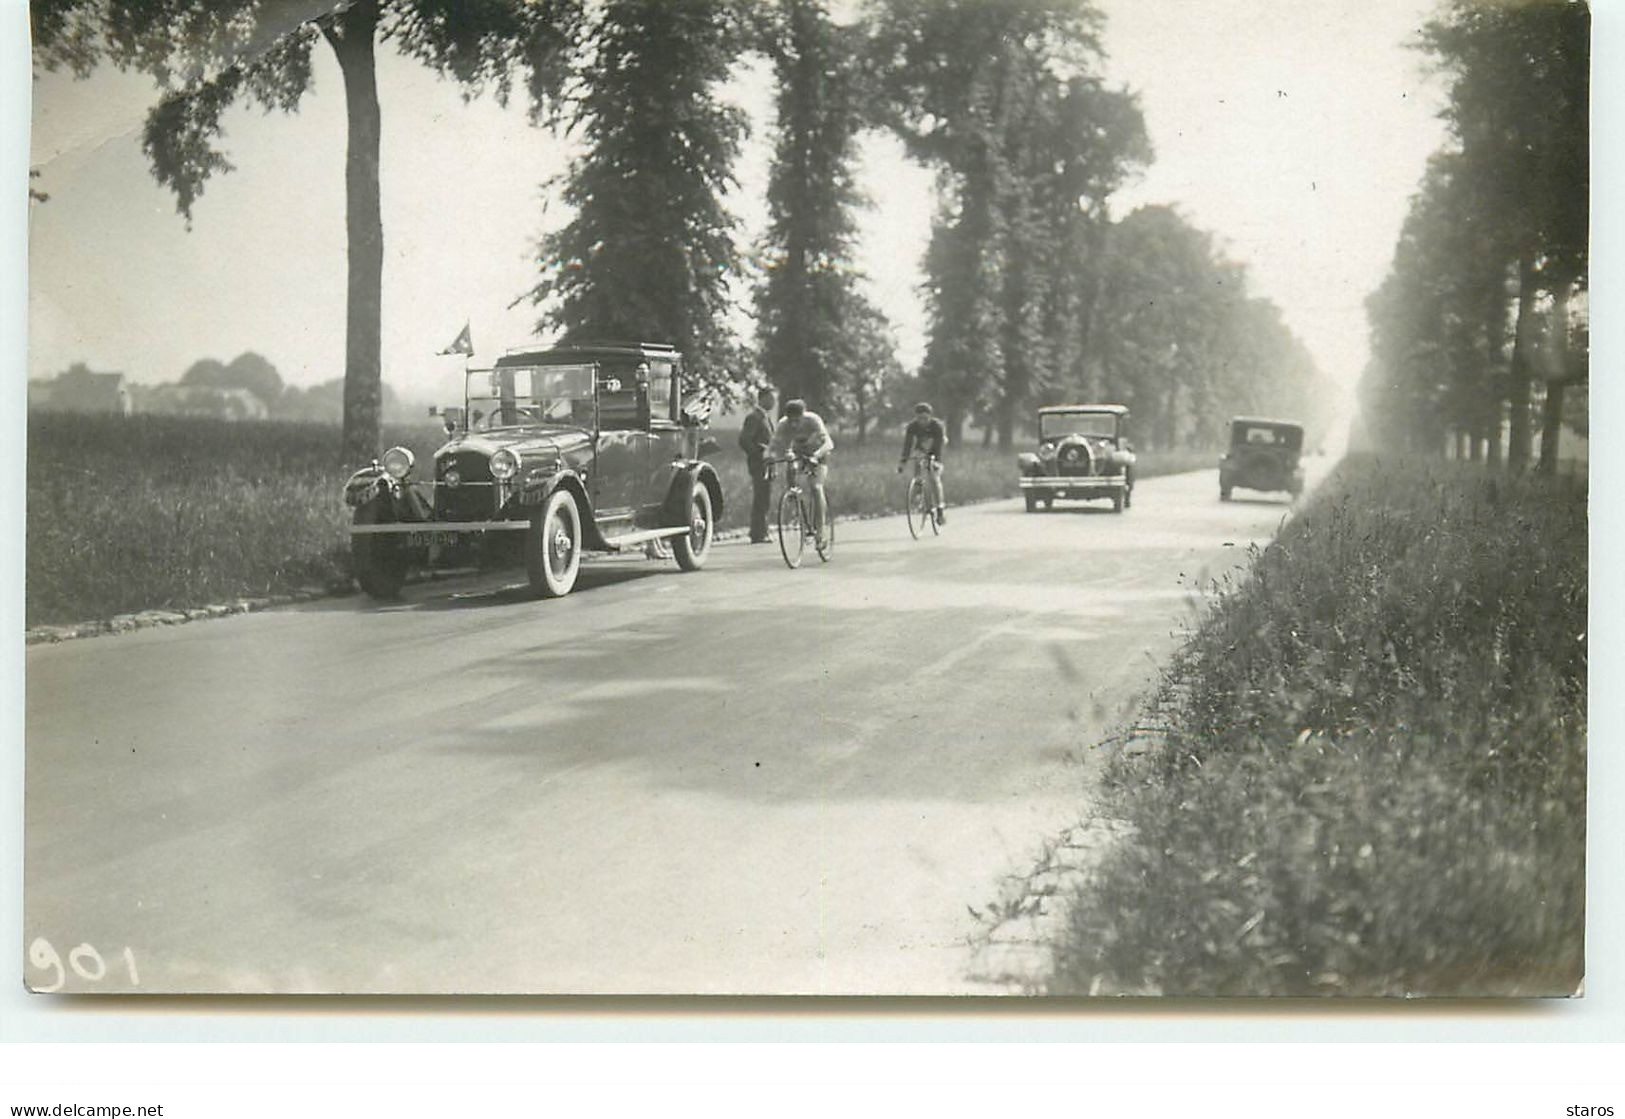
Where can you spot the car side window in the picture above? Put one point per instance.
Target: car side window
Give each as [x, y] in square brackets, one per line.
[618, 396]
[660, 389]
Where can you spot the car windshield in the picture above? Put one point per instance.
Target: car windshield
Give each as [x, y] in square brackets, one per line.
[1266, 435]
[1054, 425]
[518, 395]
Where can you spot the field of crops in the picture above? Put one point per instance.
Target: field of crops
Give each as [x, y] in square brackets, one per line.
[1370, 772]
[164, 512]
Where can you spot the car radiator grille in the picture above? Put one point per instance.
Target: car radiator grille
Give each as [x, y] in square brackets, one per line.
[1073, 462]
[474, 496]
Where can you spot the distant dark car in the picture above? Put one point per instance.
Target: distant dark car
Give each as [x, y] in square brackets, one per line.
[571, 449]
[1083, 453]
[1264, 455]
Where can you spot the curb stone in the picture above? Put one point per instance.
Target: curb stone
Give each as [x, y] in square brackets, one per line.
[147, 619]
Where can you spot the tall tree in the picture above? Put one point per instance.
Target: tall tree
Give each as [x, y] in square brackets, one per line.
[1000, 96]
[209, 54]
[1179, 339]
[650, 250]
[1519, 109]
[1437, 322]
[1080, 143]
[809, 305]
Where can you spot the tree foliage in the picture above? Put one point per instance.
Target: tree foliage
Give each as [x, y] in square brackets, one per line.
[1002, 97]
[819, 338]
[1179, 339]
[1477, 316]
[650, 251]
[208, 55]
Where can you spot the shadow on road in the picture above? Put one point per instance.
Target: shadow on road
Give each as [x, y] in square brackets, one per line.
[1283, 502]
[1076, 510]
[501, 587]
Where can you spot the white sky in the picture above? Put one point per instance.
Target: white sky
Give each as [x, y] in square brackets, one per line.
[1295, 130]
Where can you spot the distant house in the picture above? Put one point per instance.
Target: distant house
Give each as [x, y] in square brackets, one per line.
[79, 389]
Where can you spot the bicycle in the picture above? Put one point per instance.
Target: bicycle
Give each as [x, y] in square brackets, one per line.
[917, 508]
[796, 516]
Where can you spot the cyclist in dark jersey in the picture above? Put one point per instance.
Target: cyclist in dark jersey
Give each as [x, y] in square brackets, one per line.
[925, 435]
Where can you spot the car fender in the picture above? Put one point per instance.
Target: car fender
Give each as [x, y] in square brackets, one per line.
[535, 492]
[685, 476]
[1027, 462]
[365, 484]
[372, 486]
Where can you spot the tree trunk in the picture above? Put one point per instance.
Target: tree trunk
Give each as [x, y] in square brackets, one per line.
[1006, 424]
[1519, 435]
[1551, 429]
[351, 36]
[1169, 420]
[1489, 419]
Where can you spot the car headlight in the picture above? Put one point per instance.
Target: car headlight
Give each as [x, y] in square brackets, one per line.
[397, 462]
[1046, 451]
[504, 465]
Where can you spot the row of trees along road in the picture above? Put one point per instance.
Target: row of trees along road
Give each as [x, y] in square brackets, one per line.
[1483, 309]
[1034, 293]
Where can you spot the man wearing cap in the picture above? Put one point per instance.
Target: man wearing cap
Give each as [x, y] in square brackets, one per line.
[925, 435]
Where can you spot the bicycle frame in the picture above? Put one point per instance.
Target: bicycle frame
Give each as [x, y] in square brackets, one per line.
[794, 471]
[923, 477]
[795, 468]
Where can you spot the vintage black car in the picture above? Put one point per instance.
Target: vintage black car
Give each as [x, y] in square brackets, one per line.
[1083, 453]
[569, 449]
[1263, 456]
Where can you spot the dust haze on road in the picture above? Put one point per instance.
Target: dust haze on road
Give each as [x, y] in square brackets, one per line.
[748, 780]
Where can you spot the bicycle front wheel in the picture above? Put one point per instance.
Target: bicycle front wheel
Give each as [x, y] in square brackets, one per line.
[792, 538]
[914, 508]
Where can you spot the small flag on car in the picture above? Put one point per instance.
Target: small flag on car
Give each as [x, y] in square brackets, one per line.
[463, 344]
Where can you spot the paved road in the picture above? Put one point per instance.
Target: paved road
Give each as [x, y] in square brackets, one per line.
[746, 780]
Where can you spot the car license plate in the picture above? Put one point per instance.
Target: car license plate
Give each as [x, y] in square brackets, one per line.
[432, 539]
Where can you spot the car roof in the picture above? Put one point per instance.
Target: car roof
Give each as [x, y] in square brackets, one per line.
[584, 352]
[1057, 409]
[1263, 421]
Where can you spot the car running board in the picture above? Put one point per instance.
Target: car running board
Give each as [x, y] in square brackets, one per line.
[643, 537]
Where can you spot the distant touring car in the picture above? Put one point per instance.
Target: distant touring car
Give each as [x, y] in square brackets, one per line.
[562, 450]
[1083, 453]
[1264, 455]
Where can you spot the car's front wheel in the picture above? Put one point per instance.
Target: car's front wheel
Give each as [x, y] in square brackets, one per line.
[1032, 501]
[380, 560]
[553, 546]
[692, 549]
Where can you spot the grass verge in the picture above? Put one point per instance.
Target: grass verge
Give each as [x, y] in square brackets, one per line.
[166, 512]
[1369, 777]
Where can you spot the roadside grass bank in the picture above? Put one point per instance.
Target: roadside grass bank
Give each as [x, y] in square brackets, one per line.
[128, 514]
[1368, 774]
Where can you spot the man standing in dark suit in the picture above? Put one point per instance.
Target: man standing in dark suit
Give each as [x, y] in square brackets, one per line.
[753, 440]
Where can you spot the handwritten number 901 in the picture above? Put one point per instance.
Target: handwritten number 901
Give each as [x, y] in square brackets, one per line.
[85, 961]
